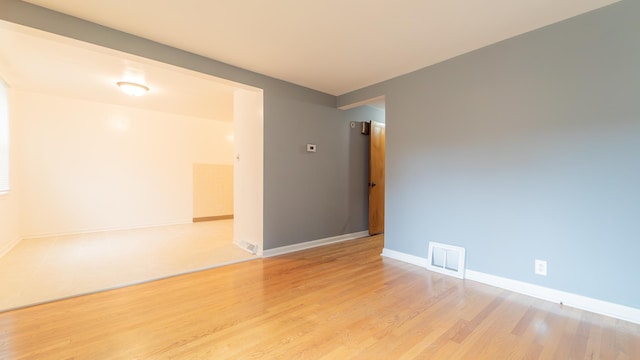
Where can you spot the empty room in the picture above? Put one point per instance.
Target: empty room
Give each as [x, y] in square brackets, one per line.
[402, 180]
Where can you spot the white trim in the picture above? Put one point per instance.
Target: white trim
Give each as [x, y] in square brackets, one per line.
[8, 246]
[577, 301]
[411, 259]
[108, 228]
[313, 243]
[601, 307]
[362, 102]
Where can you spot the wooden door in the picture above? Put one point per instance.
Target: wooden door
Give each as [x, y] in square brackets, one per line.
[376, 178]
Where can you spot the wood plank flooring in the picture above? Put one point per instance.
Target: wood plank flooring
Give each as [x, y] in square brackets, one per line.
[52, 268]
[341, 301]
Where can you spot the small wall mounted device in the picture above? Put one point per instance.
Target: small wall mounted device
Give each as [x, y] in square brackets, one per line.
[365, 128]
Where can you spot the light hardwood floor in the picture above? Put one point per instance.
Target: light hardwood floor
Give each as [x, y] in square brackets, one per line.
[341, 301]
[45, 269]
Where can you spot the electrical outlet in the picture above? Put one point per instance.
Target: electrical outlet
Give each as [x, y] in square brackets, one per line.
[541, 267]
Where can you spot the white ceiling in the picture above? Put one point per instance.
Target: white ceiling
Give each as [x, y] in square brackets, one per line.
[334, 46]
[33, 60]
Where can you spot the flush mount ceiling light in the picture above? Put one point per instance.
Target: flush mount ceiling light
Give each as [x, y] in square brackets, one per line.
[132, 89]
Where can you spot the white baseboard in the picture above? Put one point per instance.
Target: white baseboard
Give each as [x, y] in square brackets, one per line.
[411, 259]
[569, 299]
[4, 250]
[312, 244]
[577, 301]
[107, 228]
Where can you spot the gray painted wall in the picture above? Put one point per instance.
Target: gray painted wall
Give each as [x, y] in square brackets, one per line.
[529, 148]
[305, 195]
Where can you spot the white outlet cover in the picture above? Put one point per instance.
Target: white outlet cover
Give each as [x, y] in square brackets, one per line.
[311, 147]
[540, 267]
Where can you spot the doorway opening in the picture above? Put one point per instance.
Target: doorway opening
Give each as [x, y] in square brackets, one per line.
[99, 168]
[368, 120]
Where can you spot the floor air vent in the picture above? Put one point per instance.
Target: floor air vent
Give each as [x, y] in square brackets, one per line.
[247, 246]
[446, 259]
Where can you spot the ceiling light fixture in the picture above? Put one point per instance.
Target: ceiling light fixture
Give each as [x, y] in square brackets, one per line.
[132, 89]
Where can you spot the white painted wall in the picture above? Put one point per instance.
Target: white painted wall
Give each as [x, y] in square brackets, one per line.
[9, 210]
[88, 166]
[248, 168]
[9, 232]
